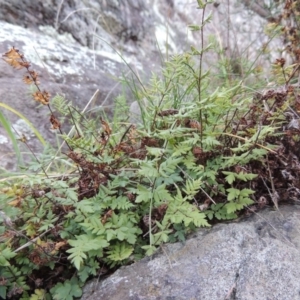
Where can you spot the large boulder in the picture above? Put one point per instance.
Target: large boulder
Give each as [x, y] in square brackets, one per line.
[256, 258]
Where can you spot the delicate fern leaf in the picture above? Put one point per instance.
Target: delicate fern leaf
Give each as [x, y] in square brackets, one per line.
[180, 211]
[61, 105]
[232, 194]
[5, 255]
[157, 152]
[110, 234]
[262, 133]
[77, 257]
[246, 176]
[244, 202]
[161, 194]
[131, 234]
[104, 192]
[148, 170]
[85, 206]
[181, 149]
[220, 212]
[94, 225]
[120, 227]
[169, 166]
[82, 245]
[240, 197]
[71, 194]
[161, 237]
[199, 219]
[230, 178]
[191, 141]
[84, 143]
[150, 249]
[192, 187]
[68, 290]
[169, 134]
[119, 251]
[232, 207]
[210, 142]
[144, 194]
[173, 178]
[246, 193]
[121, 202]
[189, 161]
[186, 214]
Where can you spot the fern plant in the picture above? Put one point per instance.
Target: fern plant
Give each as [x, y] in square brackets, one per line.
[113, 191]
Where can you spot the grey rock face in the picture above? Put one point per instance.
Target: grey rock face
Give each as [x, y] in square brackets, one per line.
[257, 258]
[64, 67]
[117, 19]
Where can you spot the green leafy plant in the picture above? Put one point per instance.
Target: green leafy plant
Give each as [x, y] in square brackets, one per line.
[117, 190]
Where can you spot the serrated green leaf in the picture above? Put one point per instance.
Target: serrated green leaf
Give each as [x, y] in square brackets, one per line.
[66, 290]
[211, 141]
[231, 207]
[110, 234]
[62, 291]
[150, 250]
[120, 251]
[120, 235]
[192, 187]
[148, 170]
[144, 194]
[39, 294]
[160, 194]
[230, 178]
[181, 149]
[169, 166]
[85, 206]
[232, 194]
[77, 257]
[7, 253]
[245, 201]
[161, 237]
[157, 152]
[82, 246]
[246, 192]
[71, 194]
